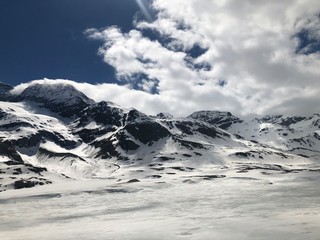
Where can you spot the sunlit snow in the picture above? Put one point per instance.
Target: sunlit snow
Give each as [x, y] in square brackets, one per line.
[232, 208]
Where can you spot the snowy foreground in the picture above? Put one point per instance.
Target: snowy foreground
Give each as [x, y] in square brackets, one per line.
[240, 206]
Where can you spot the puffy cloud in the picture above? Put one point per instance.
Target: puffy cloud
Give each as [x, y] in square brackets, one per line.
[266, 54]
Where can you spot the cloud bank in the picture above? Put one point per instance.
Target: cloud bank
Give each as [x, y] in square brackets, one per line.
[247, 57]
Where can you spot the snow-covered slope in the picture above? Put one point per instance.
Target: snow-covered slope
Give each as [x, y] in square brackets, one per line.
[277, 131]
[61, 98]
[52, 132]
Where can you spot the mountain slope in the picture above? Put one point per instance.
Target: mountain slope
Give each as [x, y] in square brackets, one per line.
[52, 132]
[61, 98]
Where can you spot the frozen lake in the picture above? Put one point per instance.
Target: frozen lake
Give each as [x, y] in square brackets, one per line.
[226, 208]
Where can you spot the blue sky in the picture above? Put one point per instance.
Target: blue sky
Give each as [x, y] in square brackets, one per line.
[45, 38]
[177, 56]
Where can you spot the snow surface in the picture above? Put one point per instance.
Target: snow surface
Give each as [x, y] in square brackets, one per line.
[228, 208]
[37, 118]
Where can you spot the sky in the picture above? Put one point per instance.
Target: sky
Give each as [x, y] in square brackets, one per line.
[247, 57]
[46, 38]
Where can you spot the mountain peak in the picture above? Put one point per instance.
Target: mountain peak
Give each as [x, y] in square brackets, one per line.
[221, 119]
[211, 113]
[164, 115]
[55, 93]
[59, 97]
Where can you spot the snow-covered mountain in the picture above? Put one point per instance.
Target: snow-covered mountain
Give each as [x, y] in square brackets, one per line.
[54, 133]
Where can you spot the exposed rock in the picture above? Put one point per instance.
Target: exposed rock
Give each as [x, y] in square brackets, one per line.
[147, 131]
[133, 181]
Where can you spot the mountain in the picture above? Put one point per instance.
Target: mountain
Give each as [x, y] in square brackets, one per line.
[221, 119]
[52, 133]
[61, 98]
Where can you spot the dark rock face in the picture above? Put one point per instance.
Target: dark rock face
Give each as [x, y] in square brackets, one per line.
[316, 123]
[107, 149]
[132, 116]
[3, 114]
[7, 149]
[126, 143]
[133, 181]
[291, 120]
[30, 183]
[89, 135]
[243, 154]
[164, 158]
[24, 184]
[147, 131]
[15, 126]
[210, 132]
[197, 127]
[35, 139]
[185, 127]
[101, 113]
[283, 121]
[210, 177]
[189, 144]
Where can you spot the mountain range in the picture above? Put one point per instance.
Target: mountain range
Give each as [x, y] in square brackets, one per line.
[53, 133]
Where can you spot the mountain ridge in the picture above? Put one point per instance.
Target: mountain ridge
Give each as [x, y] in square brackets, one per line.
[77, 138]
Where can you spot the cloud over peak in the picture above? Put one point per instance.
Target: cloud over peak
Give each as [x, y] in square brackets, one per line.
[258, 57]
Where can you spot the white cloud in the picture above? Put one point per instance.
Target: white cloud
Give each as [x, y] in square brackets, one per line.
[250, 44]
